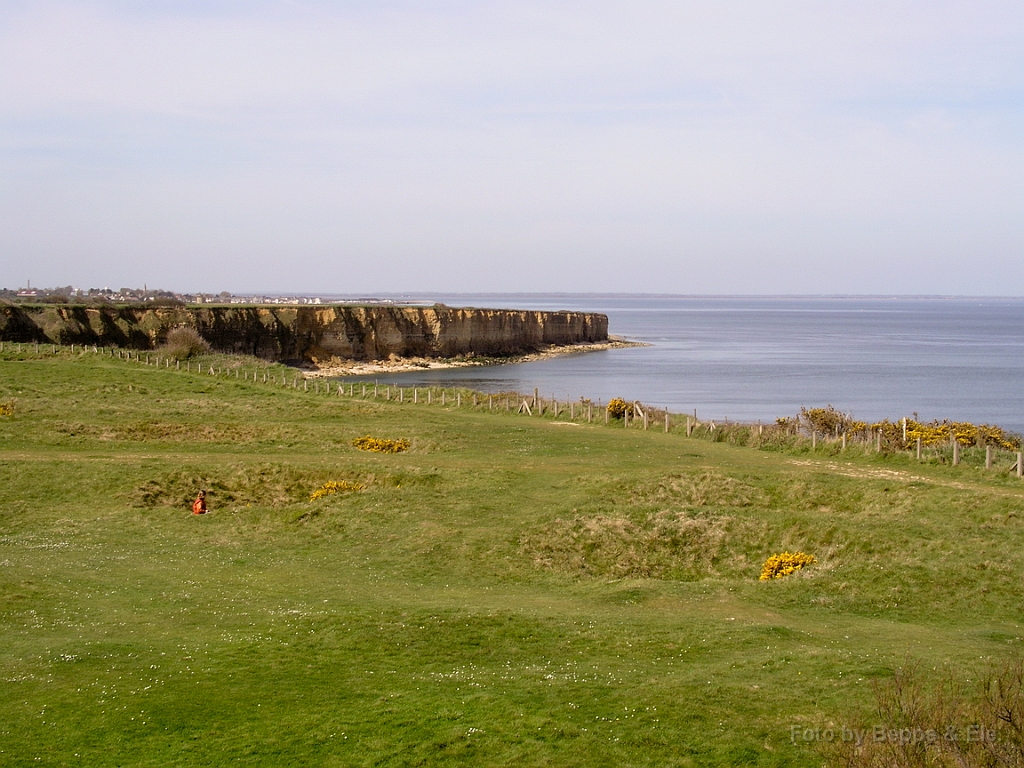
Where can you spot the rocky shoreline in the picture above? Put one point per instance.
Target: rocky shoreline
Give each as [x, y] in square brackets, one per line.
[336, 367]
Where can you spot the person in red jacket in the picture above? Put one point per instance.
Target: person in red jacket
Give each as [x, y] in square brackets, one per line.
[199, 505]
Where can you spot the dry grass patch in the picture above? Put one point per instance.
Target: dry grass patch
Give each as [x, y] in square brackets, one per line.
[174, 432]
[692, 490]
[662, 545]
[264, 484]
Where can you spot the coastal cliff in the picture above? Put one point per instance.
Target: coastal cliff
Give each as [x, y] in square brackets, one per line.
[310, 334]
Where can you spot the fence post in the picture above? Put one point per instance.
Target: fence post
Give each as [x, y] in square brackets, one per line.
[605, 415]
[814, 439]
[666, 423]
[625, 420]
[956, 451]
[444, 396]
[458, 399]
[988, 457]
[689, 427]
[474, 399]
[590, 413]
[878, 442]
[844, 441]
[1020, 464]
[645, 421]
[536, 394]
[415, 395]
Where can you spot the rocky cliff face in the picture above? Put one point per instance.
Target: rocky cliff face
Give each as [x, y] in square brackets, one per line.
[310, 333]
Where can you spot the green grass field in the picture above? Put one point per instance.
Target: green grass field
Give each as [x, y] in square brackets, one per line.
[509, 591]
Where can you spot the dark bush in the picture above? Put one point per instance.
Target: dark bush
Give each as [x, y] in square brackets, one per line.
[185, 342]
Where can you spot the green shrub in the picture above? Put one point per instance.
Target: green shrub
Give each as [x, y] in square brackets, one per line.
[185, 342]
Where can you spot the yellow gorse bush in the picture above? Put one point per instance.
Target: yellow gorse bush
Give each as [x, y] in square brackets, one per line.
[6, 409]
[380, 444]
[334, 486]
[777, 566]
[832, 421]
[936, 433]
[617, 408]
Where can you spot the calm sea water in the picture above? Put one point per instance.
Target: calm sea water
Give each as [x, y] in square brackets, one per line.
[760, 358]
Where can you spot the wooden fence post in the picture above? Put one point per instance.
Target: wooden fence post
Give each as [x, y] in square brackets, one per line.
[988, 457]
[458, 399]
[444, 397]
[605, 415]
[844, 441]
[415, 395]
[878, 441]
[645, 421]
[814, 439]
[590, 413]
[956, 451]
[1020, 464]
[689, 427]
[666, 423]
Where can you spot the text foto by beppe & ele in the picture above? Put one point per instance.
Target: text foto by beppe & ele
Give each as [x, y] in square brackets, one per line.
[880, 734]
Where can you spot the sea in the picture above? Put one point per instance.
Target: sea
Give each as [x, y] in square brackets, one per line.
[758, 358]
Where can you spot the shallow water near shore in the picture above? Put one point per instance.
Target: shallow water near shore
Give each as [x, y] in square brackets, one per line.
[759, 358]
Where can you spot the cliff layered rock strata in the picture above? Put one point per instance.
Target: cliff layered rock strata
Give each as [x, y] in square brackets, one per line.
[311, 334]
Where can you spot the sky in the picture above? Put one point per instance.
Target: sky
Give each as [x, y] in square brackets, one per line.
[722, 147]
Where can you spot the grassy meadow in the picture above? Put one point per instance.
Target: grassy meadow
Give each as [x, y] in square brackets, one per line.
[512, 590]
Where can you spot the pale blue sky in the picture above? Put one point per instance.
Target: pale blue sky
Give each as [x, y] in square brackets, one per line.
[717, 147]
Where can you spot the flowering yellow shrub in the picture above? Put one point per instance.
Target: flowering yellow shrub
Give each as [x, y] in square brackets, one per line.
[6, 409]
[380, 444]
[831, 421]
[334, 486]
[617, 408]
[777, 566]
[941, 433]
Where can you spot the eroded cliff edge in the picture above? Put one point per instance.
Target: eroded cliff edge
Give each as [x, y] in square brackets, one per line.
[311, 334]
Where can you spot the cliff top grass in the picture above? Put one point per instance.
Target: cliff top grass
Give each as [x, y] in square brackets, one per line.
[509, 590]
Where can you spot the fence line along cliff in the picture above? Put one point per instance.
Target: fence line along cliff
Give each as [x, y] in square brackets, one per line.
[311, 333]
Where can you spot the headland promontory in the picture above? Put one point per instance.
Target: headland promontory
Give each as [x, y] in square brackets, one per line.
[311, 334]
